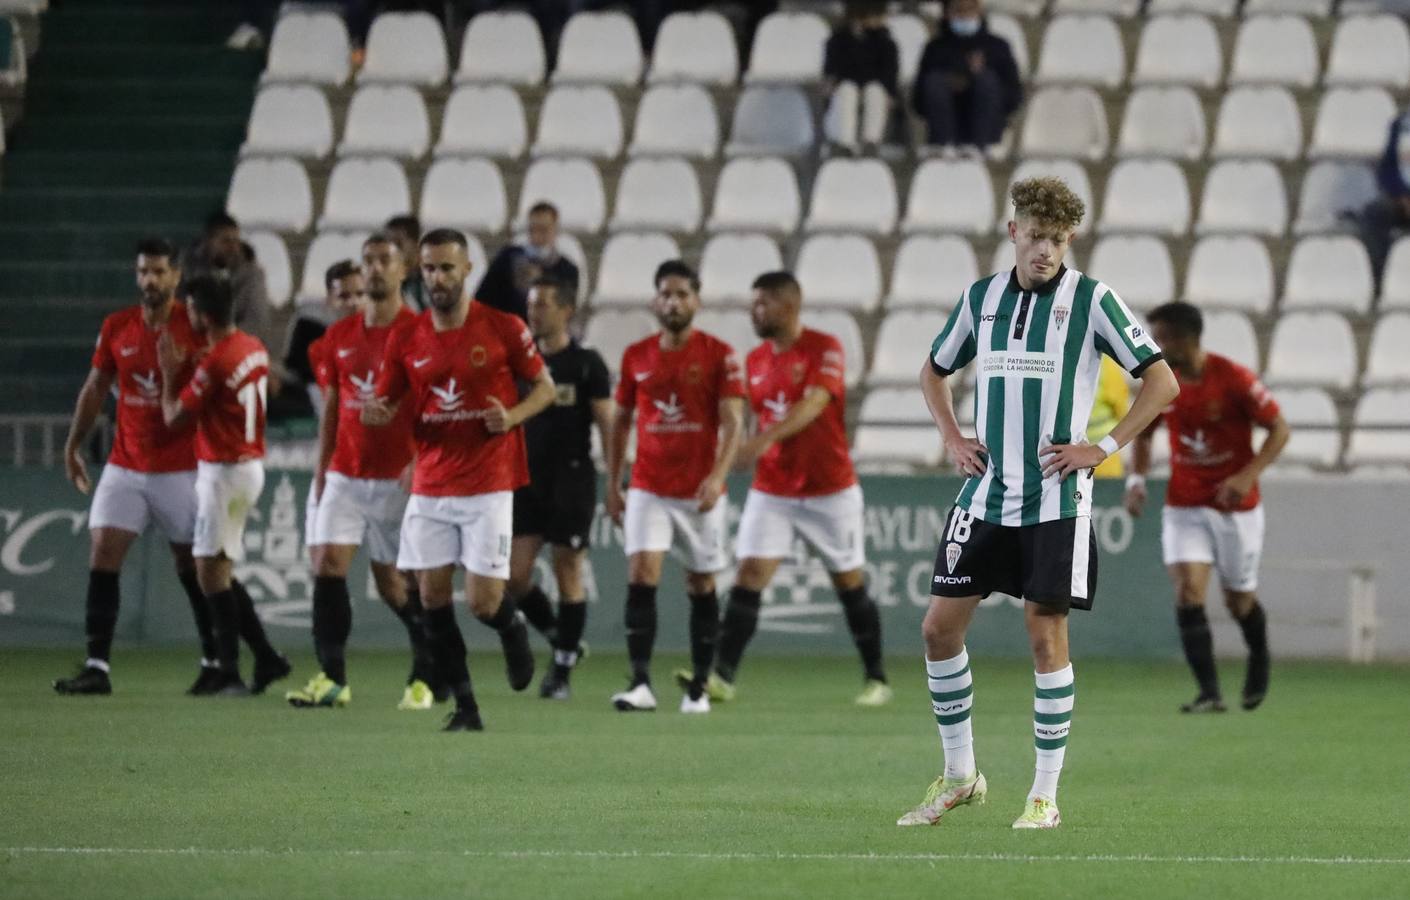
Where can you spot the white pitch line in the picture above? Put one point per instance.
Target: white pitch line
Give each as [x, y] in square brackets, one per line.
[725, 856]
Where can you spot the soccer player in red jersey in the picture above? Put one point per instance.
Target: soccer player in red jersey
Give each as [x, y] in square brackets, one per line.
[804, 484]
[455, 367]
[686, 392]
[1213, 518]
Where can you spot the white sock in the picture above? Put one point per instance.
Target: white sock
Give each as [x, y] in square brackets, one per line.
[1052, 719]
[99, 664]
[951, 696]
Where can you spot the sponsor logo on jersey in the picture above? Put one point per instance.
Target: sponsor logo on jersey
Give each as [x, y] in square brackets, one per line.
[149, 386]
[952, 580]
[952, 555]
[345, 352]
[418, 363]
[127, 351]
[1134, 332]
[671, 410]
[777, 406]
[365, 386]
[449, 398]
[641, 376]
[1025, 365]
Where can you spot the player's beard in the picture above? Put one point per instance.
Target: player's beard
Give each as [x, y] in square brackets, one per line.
[154, 298]
[675, 322]
[447, 298]
[765, 329]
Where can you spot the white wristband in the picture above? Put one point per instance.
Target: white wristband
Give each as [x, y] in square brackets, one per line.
[1135, 480]
[1110, 445]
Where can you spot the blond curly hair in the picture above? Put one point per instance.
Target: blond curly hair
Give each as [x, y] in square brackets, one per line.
[1049, 200]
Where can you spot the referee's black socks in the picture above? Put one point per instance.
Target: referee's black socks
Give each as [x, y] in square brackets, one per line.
[864, 621]
[448, 650]
[1199, 648]
[332, 624]
[572, 620]
[101, 612]
[538, 609]
[741, 618]
[640, 618]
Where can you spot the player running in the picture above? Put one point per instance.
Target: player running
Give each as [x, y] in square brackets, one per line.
[455, 367]
[804, 484]
[686, 392]
[558, 503]
[1022, 522]
[1213, 518]
[358, 489]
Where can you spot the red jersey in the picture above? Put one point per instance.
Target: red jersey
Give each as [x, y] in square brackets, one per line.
[350, 356]
[1211, 430]
[446, 379]
[127, 351]
[227, 394]
[815, 461]
[676, 396]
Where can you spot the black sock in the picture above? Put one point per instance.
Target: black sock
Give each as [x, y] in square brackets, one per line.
[100, 620]
[423, 667]
[448, 649]
[225, 618]
[251, 628]
[640, 619]
[504, 617]
[704, 629]
[1199, 647]
[572, 619]
[332, 623]
[1255, 629]
[201, 613]
[864, 621]
[538, 609]
[741, 618]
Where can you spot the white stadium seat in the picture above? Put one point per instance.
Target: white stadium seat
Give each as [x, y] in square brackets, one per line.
[502, 47]
[1395, 280]
[896, 405]
[599, 47]
[1316, 434]
[1259, 122]
[771, 120]
[1331, 189]
[1082, 49]
[611, 331]
[1243, 197]
[1027, 8]
[917, 445]
[1138, 267]
[467, 194]
[1065, 122]
[1329, 272]
[1233, 272]
[698, 47]
[387, 120]
[1370, 50]
[1231, 335]
[931, 271]
[676, 120]
[627, 265]
[484, 120]
[1011, 30]
[1181, 49]
[364, 193]
[788, 46]
[658, 194]
[950, 195]
[1121, 8]
[733, 326]
[273, 256]
[1221, 8]
[1312, 348]
[1163, 121]
[1386, 361]
[1148, 196]
[579, 121]
[839, 270]
[271, 193]
[1300, 7]
[1274, 50]
[731, 262]
[292, 120]
[1072, 174]
[840, 324]
[756, 195]
[853, 195]
[406, 46]
[572, 185]
[327, 248]
[309, 46]
[911, 35]
[1381, 428]
[903, 343]
[1351, 122]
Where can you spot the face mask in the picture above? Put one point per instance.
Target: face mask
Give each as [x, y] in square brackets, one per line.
[965, 27]
[535, 252]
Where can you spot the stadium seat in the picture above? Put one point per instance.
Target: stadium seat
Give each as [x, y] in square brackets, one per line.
[697, 47]
[1276, 49]
[1163, 121]
[1137, 267]
[1011, 30]
[1070, 171]
[1330, 189]
[1370, 50]
[731, 262]
[1231, 335]
[273, 256]
[1312, 348]
[1395, 279]
[1381, 428]
[840, 324]
[911, 35]
[502, 47]
[271, 193]
[931, 271]
[1121, 8]
[1243, 197]
[573, 185]
[903, 343]
[915, 445]
[1258, 122]
[853, 195]
[579, 121]
[1181, 49]
[1082, 49]
[771, 120]
[1219, 8]
[1300, 7]
[950, 195]
[1147, 196]
[1232, 272]
[1065, 122]
[309, 46]
[327, 248]
[839, 270]
[733, 326]
[467, 194]
[1026, 8]
[364, 193]
[611, 331]
[291, 120]
[756, 195]
[387, 120]
[1351, 122]
[601, 47]
[627, 265]
[406, 47]
[484, 120]
[658, 194]
[788, 46]
[676, 120]
[894, 405]
[1316, 435]
[1386, 361]
[1329, 272]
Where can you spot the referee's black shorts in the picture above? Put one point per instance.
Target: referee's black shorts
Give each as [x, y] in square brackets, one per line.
[1053, 564]
[558, 505]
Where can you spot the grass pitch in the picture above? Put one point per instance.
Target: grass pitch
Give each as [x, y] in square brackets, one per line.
[788, 791]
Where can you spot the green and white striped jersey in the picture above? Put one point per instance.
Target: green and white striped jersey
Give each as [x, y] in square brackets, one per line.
[1039, 356]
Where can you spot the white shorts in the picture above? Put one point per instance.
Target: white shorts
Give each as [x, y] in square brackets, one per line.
[1231, 541]
[310, 515]
[129, 500]
[225, 494]
[473, 532]
[655, 524]
[352, 510]
[831, 524]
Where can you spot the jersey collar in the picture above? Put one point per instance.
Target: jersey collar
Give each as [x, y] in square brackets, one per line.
[1046, 287]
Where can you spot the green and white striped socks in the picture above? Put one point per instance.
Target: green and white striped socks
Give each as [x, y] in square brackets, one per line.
[951, 696]
[1052, 719]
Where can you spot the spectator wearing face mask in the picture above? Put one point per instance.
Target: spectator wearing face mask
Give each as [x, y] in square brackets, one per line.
[860, 64]
[516, 267]
[967, 85]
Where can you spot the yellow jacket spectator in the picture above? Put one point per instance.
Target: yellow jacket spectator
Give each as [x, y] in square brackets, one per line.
[1113, 399]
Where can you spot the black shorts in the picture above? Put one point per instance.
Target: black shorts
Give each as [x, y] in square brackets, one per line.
[1051, 563]
[558, 506]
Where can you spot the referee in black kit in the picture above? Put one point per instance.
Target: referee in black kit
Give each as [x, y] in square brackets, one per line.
[558, 504]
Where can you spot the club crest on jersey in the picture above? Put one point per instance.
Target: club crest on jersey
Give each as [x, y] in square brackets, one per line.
[693, 375]
[798, 371]
[1060, 316]
[449, 397]
[148, 385]
[478, 355]
[671, 410]
[566, 395]
[952, 555]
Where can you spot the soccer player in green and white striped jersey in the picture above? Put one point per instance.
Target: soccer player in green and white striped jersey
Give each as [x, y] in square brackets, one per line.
[1022, 523]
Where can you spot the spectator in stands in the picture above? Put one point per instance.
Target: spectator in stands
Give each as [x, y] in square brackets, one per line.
[406, 231]
[860, 64]
[221, 252]
[1382, 217]
[345, 292]
[516, 266]
[967, 85]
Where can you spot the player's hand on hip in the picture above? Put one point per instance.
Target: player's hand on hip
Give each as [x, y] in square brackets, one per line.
[1064, 459]
[616, 503]
[970, 456]
[76, 470]
[170, 358]
[709, 493]
[1135, 500]
[498, 419]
